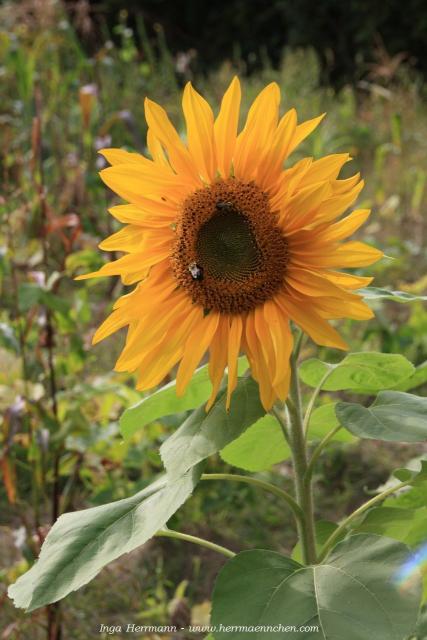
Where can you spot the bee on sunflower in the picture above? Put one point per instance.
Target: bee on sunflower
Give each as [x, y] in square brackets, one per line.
[226, 245]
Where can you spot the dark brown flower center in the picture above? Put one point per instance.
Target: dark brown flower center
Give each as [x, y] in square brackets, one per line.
[230, 255]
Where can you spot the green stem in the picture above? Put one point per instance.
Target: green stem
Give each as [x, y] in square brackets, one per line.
[312, 401]
[317, 451]
[298, 344]
[234, 477]
[303, 490]
[282, 416]
[169, 533]
[344, 524]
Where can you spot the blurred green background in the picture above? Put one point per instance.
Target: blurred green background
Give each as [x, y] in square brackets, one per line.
[73, 79]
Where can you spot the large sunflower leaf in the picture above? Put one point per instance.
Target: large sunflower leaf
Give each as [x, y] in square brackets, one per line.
[366, 372]
[205, 433]
[81, 543]
[394, 416]
[374, 293]
[259, 447]
[165, 402]
[354, 595]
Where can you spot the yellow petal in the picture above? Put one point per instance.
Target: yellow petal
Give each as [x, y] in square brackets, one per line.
[312, 284]
[156, 150]
[346, 227]
[349, 254]
[225, 127]
[281, 336]
[234, 340]
[343, 186]
[271, 164]
[196, 345]
[347, 280]
[303, 206]
[355, 309]
[199, 118]
[132, 262]
[127, 239]
[218, 358]
[303, 130]
[157, 363]
[164, 131]
[150, 331]
[312, 323]
[120, 156]
[136, 215]
[257, 135]
[258, 364]
[336, 205]
[134, 182]
[111, 324]
[327, 167]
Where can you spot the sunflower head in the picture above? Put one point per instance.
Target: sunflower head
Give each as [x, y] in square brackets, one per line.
[227, 242]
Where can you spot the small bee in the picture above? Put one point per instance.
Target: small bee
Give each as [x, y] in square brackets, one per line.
[224, 205]
[196, 271]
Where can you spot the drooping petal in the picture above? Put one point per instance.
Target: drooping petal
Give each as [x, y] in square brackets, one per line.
[258, 364]
[218, 351]
[158, 361]
[234, 340]
[195, 347]
[281, 336]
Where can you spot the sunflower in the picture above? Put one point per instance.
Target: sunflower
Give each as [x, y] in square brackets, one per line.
[226, 246]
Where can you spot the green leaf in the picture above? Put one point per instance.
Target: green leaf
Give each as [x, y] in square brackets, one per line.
[165, 402]
[352, 595]
[324, 419]
[81, 543]
[204, 434]
[358, 371]
[407, 525]
[394, 416]
[259, 447]
[418, 378]
[374, 293]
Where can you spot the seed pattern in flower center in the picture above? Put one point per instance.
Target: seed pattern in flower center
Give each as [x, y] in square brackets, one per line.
[230, 255]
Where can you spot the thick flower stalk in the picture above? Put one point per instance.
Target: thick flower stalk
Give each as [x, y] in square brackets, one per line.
[228, 243]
